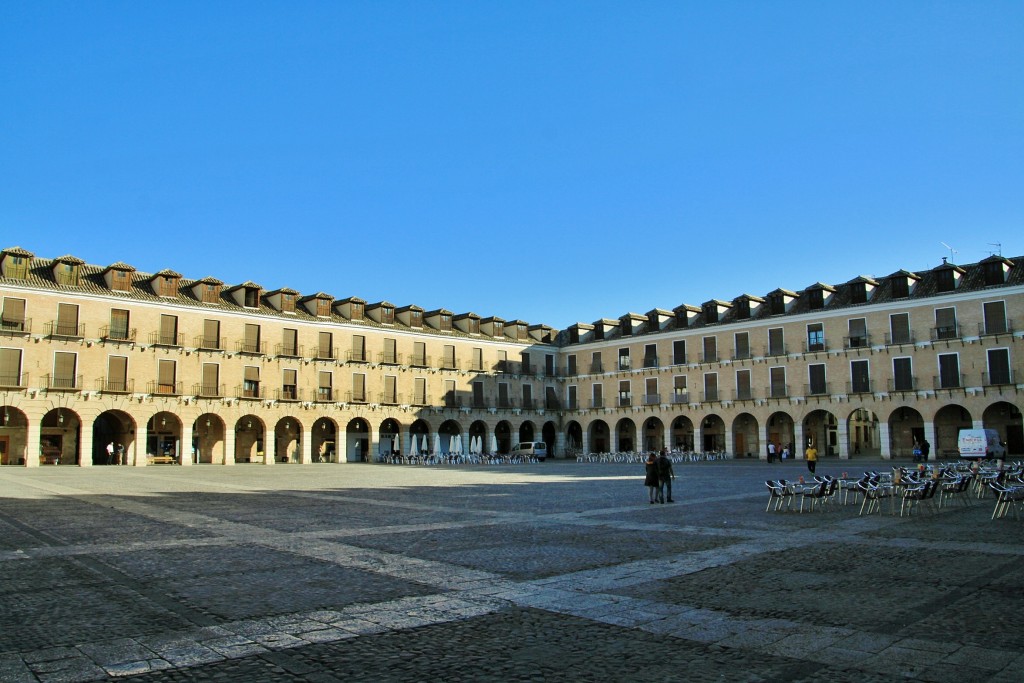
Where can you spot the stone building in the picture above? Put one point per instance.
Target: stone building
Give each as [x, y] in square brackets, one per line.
[169, 369]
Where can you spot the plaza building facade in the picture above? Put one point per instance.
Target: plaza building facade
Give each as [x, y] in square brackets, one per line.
[161, 368]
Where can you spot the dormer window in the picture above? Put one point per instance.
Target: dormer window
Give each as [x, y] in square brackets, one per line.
[16, 267]
[323, 308]
[776, 304]
[710, 313]
[119, 281]
[994, 272]
[900, 288]
[816, 299]
[858, 293]
[167, 286]
[252, 298]
[387, 315]
[415, 318]
[445, 322]
[357, 311]
[742, 309]
[945, 280]
[499, 328]
[66, 274]
[287, 303]
[210, 293]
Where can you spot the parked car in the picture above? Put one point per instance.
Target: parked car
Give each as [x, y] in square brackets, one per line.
[980, 443]
[536, 449]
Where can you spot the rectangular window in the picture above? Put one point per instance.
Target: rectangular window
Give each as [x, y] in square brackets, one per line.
[650, 355]
[711, 386]
[949, 371]
[390, 351]
[478, 395]
[419, 354]
[169, 330]
[325, 386]
[777, 382]
[358, 352]
[816, 299]
[390, 389]
[503, 399]
[67, 320]
[945, 323]
[815, 337]
[289, 342]
[858, 293]
[210, 295]
[816, 384]
[478, 359]
[903, 374]
[597, 392]
[168, 286]
[549, 365]
[451, 400]
[860, 377]
[419, 391]
[211, 335]
[651, 396]
[900, 288]
[858, 333]
[999, 367]
[945, 280]
[251, 382]
[448, 358]
[527, 396]
[64, 370]
[679, 352]
[776, 342]
[117, 374]
[571, 365]
[570, 398]
[358, 387]
[290, 385]
[679, 392]
[710, 350]
[995, 318]
[595, 362]
[625, 395]
[251, 341]
[742, 343]
[899, 329]
[743, 389]
[165, 382]
[12, 319]
[325, 349]
[211, 380]
[10, 368]
[624, 362]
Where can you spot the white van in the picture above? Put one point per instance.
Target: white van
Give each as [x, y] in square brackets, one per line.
[980, 443]
[536, 449]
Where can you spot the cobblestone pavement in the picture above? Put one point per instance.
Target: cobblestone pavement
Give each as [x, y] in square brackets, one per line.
[551, 572]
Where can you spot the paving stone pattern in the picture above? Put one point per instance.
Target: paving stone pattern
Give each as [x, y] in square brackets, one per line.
[551, 572]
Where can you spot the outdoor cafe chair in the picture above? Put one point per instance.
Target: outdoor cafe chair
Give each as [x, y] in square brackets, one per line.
[778, 493]
[815, 492]
[873, 494]
[1007, 498]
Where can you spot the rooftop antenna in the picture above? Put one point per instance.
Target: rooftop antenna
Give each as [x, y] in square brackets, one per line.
[998, 246]
[952, 252]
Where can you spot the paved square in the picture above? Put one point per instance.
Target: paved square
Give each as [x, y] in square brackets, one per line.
[555, 572]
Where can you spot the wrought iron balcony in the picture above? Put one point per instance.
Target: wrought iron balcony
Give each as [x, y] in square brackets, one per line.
[288, 393]
[67, 330]
[204, 343]
[999, 378]
[946, 332]
[860, 387]
[680, 397]
[116, 333]
[208, 390]
[288, 350]
[652, 399]
[253, 348]
[116, 386]
[990, 327]
[861, 341]
[162, 339]
[949, 380]
[897, 384]
[778, 390]
[13, 380]
[164, 388]
[325, 352]
[818, 389]
[907, 337]
[63, 382]
[15, 326]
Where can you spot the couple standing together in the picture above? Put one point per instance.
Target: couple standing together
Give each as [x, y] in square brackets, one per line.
[659, 477]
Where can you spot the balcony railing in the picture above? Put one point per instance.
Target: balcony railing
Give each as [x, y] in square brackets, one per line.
[741, 354]
[946, 332]
[818, 389]
[63, 382]
[288, 393]
[355, 397]
[528, 369]
[389, 358]
[744, 394]
[897, 384]
[357, 356]
[255, 348]
[480, 403]
[571, 404]
[419, 400]
[386, 399]
[596, 368]
[528, 404]
[625, 400]
[949, 380]
[900, 338]
[709, 396]
[116, 333]
[651, 362]
[419, 361]
[164, 388]
[248, 391]
[680, 397]
[288, 350]
[15, 326]
[208, 390]
[679, 360]
[596, 403]
[774, 350]
[860, 341]
[996, 379]
[991, 327]
[625, 363]
[709, 357]
[204, 343]
[13, 380]
[58, 329]
[325, 352]
[161, 339]
[815, 347]
[449, 364]
[551, 403]
[860, 387]
[116, 386]
[652, 399]
[506, 402]
[778, 390]
[324, 395]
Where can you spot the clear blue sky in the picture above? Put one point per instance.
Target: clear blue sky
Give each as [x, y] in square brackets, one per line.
[547, 161]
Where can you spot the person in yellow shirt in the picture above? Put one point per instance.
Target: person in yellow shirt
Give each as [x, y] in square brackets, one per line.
[812, 457]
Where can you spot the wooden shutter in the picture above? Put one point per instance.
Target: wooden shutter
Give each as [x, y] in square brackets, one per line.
[67, 319]
[117, 373]
[359, 387]
[995, 317]
[165, 377]
[326, 345]
[390, 393]
[211, 379]
[742, 345]
[14, 310]
[899, 328]
[10, 367]
[252, 338]
[64, 369]
[211, 334]
[252, 373]
[290, 342]
[169, 329]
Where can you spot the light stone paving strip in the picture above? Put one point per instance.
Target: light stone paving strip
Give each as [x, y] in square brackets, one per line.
[472, 593]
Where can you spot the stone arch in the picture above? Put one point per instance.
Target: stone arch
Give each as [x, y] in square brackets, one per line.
[549, 435]
[599, 437]
[163, 437]
[779, 429]
[862, 433]
[420, 431]
[821, 429]
[712, 432]
[745, 441]
[389, 438]
[449, 430]
[573, 439]
[1005, 418]
[653, 434]
[527, 432]
[478, 432]
[906, 427]
[682, 434]
[60, 438]
[357, 440]
[625, 435]
[250, 433]
[288, 441]
[325, 440]
[13, 436]
[503, 436]
[208, 432]
[948, 421]
[114, 428]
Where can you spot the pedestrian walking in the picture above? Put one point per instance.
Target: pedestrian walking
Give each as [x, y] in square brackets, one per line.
[812, 457]
[665, 477]
[925, 450]
[785, 452]
[110, 454]
[771, 451]
[651, 478]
